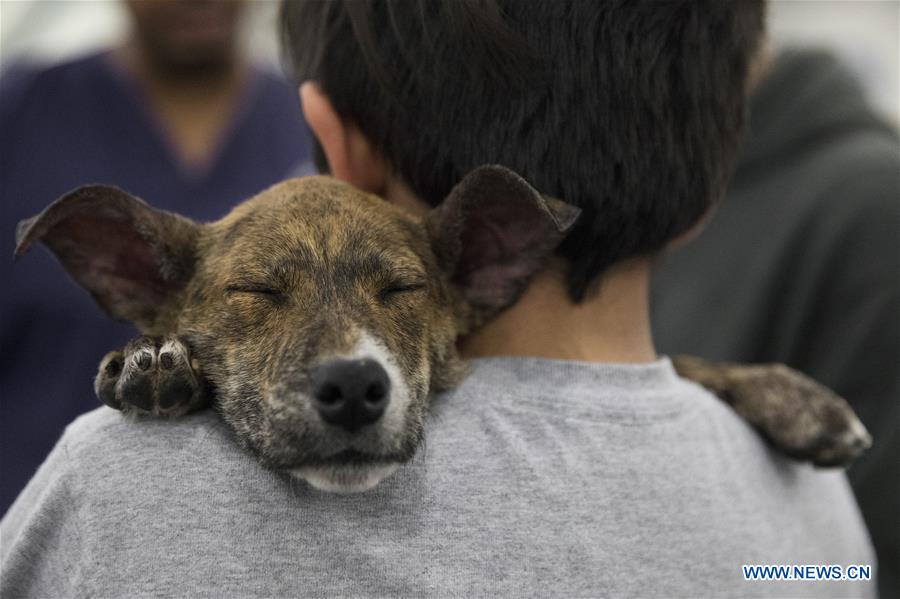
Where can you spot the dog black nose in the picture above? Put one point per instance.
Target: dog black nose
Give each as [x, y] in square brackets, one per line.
[350, 393]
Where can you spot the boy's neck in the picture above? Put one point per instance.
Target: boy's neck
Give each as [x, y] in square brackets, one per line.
[611, 325]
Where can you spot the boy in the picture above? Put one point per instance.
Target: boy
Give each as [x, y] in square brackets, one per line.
[572, 461]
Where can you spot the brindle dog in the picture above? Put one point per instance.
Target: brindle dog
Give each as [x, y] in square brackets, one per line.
[318, 319]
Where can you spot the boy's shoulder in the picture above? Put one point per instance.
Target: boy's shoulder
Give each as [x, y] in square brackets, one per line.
[105, 431]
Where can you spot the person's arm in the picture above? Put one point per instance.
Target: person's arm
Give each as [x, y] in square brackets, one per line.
[40, 538]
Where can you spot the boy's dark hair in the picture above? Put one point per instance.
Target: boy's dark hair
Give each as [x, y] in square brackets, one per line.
[629, 109]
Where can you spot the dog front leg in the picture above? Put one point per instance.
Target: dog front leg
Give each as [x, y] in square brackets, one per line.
[151, 375]
[800, 417]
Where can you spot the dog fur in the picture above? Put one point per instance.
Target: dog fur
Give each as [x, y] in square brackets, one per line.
[239, 312]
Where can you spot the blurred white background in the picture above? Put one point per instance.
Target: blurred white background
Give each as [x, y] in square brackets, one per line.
[864, 33]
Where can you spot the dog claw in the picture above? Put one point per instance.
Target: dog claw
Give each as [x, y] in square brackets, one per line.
[108, 375]
[143, 360]
[152, 375]
[800, 417]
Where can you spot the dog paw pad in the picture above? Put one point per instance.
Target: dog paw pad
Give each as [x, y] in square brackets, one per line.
[151, 375]
[166, 361]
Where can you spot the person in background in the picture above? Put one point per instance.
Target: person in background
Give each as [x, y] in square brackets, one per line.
[175, 116]
[801, 265]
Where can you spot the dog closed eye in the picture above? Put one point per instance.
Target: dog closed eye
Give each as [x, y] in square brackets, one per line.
[261, 290]
[396, 289]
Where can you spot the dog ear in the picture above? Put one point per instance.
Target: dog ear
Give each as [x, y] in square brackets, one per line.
[493, 232]
[133, 259]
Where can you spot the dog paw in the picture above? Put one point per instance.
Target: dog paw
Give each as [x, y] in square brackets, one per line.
[152, 375]
[804, 419]
[800, 417]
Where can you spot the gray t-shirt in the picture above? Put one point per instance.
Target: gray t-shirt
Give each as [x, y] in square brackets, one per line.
[537, 478]
[800, 265]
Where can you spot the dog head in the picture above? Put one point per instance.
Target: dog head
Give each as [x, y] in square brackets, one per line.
[322, 316]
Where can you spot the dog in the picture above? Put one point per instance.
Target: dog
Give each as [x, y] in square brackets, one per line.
[319, 319]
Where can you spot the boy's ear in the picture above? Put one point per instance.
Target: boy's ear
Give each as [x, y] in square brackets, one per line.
[134, 260]
[351, 157]
[493, 233]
